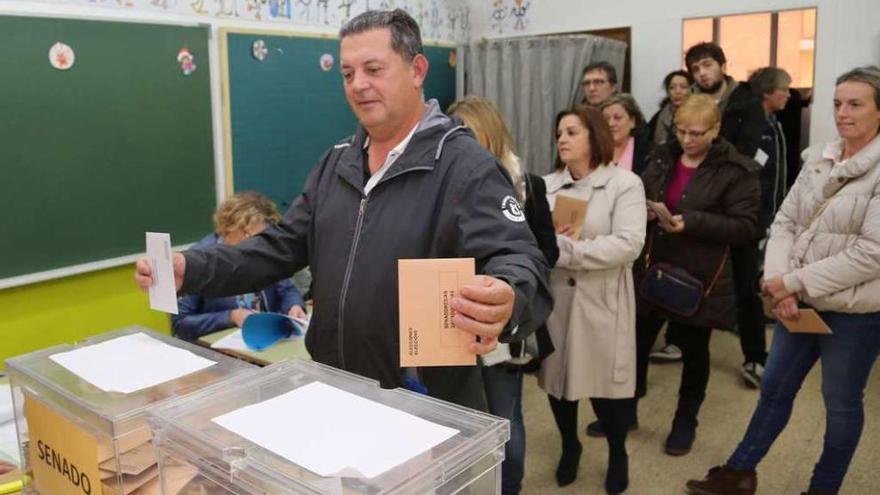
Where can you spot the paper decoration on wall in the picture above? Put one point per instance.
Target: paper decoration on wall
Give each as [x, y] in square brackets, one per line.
[519, 12]
[447, 20]
[186, 61]
[61, 56]
[259, 50]
[453, 59]
[326, 62]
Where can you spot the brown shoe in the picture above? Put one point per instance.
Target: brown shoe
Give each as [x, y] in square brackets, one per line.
[723, 480]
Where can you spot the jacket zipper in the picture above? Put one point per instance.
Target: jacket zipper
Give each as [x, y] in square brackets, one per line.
[350, 266]
[357, 235]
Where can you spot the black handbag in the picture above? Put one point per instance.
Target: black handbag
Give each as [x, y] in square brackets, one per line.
[672, 288]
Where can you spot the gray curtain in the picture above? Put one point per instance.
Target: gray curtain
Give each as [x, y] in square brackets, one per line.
[531, 79]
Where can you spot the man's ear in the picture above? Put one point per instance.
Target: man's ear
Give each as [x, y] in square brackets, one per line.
[420, 69]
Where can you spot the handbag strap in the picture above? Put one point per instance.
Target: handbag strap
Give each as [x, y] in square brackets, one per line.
[824, 205]
[715, 278]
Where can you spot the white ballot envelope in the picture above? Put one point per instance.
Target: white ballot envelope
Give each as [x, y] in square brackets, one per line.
[163, 293]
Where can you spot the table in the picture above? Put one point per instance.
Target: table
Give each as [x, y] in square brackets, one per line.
[286, 349]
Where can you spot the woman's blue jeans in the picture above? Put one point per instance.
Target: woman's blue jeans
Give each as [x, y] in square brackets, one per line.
[847, 359]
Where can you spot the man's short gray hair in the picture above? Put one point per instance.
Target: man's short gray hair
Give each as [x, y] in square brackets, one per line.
[869, 75]
[406, 38]
[768, 79]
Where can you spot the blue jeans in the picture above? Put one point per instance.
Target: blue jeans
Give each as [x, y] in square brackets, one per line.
[847, 358]
[504, 394]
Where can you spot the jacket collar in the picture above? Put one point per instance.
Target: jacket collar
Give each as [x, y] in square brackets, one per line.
[562, 179]
[421, 153]
[856, 165]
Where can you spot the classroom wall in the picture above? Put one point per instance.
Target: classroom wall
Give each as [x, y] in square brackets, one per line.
[848, 35]
[69, 309]
[66, 309]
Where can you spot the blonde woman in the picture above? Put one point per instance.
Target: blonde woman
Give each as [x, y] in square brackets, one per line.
[708, 196]
[240, 217]
[502, 372]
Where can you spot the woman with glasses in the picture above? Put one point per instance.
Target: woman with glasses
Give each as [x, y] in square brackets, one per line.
[237, 219]
[703, 198]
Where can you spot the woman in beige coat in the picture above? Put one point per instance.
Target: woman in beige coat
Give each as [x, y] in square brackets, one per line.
[593, 323]
[823, 254]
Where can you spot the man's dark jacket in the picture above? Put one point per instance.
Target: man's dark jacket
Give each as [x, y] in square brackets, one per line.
[444, 197]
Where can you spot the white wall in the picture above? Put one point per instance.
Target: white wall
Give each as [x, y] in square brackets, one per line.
[848, 35]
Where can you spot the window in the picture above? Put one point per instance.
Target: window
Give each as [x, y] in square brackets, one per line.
[785, 39]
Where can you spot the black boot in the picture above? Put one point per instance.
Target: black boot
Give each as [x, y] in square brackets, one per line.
[617, 478]
[565, 414]
[684, 427]
[567, 470]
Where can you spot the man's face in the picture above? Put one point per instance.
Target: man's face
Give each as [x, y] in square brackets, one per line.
[708, 74]
[380, 86]
[776, 100]
[597, 88]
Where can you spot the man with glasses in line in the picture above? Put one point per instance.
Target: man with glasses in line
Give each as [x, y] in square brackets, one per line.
[598, 82]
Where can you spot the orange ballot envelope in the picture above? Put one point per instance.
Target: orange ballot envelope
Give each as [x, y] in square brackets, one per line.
[809, 322]
[428, 336]
[570, 211]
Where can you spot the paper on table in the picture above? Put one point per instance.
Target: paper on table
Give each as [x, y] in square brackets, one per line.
[234, 341]
[9, 447]
[324, 439]
[128, 364]
[163, 292]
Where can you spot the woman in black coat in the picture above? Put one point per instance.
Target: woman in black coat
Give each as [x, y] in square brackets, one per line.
[704, 198]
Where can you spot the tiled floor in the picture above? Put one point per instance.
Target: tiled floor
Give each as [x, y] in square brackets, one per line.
[728, 407]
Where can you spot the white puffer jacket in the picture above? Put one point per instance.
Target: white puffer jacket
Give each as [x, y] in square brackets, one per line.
[833, 262]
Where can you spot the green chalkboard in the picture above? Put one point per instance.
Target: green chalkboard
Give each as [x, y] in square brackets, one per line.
[94, 156]
[285, 111]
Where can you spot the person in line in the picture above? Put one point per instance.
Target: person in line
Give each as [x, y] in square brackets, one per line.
[598, 82]
[593, 322]
[503, 367]
[410, 183]
[743, 121]
[627, 123]
[677, 86]
[711, 196]
[822, 254]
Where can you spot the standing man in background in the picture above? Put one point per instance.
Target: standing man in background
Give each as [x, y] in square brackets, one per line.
[743, 121]
[410, 183]
[599, 82]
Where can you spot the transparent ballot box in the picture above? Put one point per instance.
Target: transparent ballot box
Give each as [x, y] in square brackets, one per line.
[299, 427]
[80, 410]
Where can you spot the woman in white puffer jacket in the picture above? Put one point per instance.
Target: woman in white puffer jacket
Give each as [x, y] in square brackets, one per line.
[823, 253]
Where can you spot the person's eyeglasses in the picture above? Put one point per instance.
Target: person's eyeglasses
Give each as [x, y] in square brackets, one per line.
[682, 133]
[593, 82]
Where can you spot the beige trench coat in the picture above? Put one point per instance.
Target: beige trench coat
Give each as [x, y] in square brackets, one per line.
[593, 319]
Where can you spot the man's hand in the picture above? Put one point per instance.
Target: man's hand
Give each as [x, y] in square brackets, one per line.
[143, 271]
[239, 315]
[297, 311]
[483, 308]
[787, 309]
